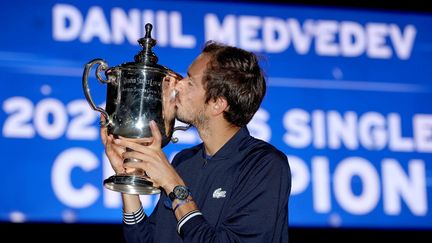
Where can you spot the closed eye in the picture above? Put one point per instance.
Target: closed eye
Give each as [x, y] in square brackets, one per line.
[190, 81]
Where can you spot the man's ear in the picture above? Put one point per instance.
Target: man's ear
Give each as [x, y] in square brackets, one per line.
[219, 105]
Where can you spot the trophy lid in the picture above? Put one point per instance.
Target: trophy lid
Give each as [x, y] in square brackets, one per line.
[146, 58]
[147, 55]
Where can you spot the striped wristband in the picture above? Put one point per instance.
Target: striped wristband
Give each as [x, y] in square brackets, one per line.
[134, 217]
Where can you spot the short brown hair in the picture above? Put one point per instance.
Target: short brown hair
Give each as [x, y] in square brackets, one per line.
[234, 74]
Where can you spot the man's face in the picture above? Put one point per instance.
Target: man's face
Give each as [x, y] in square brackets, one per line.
[190, 100]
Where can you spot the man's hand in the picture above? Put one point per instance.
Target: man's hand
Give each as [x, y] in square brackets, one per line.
[168, 103]
[153, 160]
[113, 151]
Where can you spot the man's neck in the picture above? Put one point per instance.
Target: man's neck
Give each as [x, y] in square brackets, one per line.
[215, 136]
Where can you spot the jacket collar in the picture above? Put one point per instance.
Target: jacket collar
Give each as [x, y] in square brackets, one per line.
[230, 148]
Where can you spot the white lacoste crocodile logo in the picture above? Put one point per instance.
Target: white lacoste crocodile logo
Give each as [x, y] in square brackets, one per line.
[218, 193]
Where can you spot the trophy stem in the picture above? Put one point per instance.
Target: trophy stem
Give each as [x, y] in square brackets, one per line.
[130, 184]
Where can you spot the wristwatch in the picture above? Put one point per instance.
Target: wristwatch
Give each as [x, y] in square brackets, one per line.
[179, 192]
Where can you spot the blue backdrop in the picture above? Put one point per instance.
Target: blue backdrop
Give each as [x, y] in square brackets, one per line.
[349, 102]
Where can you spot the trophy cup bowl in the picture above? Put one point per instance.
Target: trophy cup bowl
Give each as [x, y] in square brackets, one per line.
[136, 94]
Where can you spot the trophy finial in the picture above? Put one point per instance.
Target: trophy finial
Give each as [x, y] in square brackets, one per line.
[146, 55]
[148, 28]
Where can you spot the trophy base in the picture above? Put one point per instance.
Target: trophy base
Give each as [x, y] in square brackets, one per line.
[130, 184]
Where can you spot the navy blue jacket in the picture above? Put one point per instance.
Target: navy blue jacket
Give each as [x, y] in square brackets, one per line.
[242, 193]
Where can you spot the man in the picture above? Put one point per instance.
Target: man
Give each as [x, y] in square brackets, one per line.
[230, 188]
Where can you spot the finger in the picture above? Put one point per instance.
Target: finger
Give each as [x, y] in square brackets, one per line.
[115, 157]
[137, 161]
[112, 147]
[143, 157]
[119, 150]
[156, 134]
[170, 89]
[172, 83]
[103, 130]
[130, 170]
[131, 144]
[143, 141]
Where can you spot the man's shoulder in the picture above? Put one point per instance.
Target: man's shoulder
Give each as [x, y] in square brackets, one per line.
[264, 162]
[261, 151]
[258, 145]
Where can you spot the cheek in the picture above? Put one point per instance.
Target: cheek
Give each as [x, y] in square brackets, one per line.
[189, 101]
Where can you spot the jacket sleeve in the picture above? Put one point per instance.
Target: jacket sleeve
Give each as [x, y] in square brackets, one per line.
[258, 208]
[141, 231]
[144, 230]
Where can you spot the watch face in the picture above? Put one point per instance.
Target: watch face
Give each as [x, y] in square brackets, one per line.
[181, 192]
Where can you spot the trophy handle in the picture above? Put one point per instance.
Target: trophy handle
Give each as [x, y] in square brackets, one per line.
[103, 66]
[183, 128]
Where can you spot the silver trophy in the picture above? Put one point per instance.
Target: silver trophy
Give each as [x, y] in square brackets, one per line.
[136, 93]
